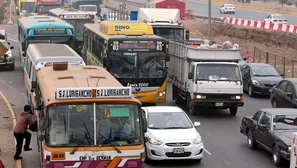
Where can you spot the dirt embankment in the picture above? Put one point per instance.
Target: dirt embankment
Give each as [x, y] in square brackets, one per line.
[276, 42]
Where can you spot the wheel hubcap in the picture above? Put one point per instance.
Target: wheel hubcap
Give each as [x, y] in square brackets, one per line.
[274, 104]
[249, 140]
[275, 156]
[250, 90]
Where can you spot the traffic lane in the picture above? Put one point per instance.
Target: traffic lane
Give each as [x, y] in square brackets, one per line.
[221, 137]
[242, 13]
[13, 87]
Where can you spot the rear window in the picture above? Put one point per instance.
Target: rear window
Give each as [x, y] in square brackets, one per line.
[278, 17]
[229, 5]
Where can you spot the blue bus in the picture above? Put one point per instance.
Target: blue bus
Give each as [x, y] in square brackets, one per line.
[43, 29]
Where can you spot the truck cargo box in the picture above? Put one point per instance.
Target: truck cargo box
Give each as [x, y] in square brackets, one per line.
[173, 4]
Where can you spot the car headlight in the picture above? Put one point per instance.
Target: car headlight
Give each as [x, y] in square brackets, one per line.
[154, 141]
[255, 82]
[289, 149]
[198, 139]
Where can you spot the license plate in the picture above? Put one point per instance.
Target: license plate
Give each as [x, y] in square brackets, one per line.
[219, 104]
[178, 150]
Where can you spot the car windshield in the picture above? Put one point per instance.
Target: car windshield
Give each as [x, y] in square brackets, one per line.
[93, 124]
[285, 122]
[264, 71]
[167, 120]
[229, 5]
[170, 33]
[88, 8]
[28, 7]
[218, 72]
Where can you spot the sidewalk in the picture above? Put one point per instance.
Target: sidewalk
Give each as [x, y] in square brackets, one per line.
[7, 143]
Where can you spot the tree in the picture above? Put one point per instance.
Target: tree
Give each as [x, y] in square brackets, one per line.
[283, 2]
[289, 3]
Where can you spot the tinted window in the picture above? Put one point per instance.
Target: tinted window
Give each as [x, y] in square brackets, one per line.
[282, 86]
[265, 120]
[168, 121]
[257, 116]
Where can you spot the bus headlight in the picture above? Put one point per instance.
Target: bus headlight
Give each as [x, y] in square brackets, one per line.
[160, 94]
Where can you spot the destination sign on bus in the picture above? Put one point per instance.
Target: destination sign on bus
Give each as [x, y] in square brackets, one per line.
[49, 31]
[76, 16]
[88, 93]
[138, 45]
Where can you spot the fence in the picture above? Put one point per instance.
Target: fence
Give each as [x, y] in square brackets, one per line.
[287, 66]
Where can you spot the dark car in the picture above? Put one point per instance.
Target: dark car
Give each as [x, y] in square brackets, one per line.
[259, 78]
[283, 95]
[272, 129]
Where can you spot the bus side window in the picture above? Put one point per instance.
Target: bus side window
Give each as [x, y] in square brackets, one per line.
[28, 67]
[90, 42]
[85, 40]
[95, 48]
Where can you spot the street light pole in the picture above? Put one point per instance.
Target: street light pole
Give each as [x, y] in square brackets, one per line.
[209, 19]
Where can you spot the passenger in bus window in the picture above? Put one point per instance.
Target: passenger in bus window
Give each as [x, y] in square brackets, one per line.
[116, 132]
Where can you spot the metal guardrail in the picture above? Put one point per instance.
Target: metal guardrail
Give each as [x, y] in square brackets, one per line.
[206, 17]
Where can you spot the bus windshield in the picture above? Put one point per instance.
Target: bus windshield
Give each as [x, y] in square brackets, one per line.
[46, 8]
[28, 7]
[78, 25]
[93, 124]
[51, 39]
[137, 64]
[170, 33]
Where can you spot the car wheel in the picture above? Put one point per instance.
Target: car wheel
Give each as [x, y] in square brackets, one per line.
[251, 141]
[233, 13]
[220, 11]
[11, 67]
[274, 105]
[276, 157]
[233, 111]
[250, 91]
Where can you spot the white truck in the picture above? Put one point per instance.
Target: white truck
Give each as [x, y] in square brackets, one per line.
[205, 77]
[165, 22]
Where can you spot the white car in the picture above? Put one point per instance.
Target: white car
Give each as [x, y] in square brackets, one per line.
[276, 18]
[227, 8]
[171, 135]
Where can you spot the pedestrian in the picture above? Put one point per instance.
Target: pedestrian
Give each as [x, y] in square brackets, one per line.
[20, 131]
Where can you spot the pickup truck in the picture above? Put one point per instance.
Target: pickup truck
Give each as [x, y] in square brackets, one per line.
[272, 129]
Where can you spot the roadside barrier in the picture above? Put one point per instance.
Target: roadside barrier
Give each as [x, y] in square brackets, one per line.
[260, 24]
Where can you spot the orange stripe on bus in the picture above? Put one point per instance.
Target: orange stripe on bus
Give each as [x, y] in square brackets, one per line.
[93, 148]
[115, 161]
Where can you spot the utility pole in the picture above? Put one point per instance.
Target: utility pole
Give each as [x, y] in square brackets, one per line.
[209, 19]
[124, 9]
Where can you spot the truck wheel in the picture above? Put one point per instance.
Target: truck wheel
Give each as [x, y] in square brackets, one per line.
[250, 141]
[192, 109]
[233, 111]
[11, 67]
[276, 156]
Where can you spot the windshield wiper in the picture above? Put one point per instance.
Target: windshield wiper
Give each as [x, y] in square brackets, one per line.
[74, 149]
[155, 128]
[176, 128]
[115, 147]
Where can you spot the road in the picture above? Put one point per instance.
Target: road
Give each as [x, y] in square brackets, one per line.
[201, 8]
[226, 147]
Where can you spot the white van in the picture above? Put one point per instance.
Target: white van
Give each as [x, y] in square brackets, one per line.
[43, 55]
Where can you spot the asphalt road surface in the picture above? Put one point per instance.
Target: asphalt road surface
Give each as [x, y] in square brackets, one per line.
[201, 8]
[225, 146]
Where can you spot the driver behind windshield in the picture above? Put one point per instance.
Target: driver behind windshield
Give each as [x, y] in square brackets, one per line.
[116, 131]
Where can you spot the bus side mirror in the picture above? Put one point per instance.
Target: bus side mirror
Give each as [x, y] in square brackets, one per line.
[190, 75]
[144, 121]
[104, 62]
[187, 34]
[23, 46]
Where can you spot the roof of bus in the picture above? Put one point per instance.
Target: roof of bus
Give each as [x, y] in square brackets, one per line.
[59, 11]
[35, 21]
[44, 51]
[82, 76]
[95, 27]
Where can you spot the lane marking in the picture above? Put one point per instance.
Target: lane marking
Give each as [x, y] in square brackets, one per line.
[207, 151]
[13, 116]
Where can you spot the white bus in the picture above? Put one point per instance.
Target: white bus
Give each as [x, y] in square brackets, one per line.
[77, 19]
[44, 55]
